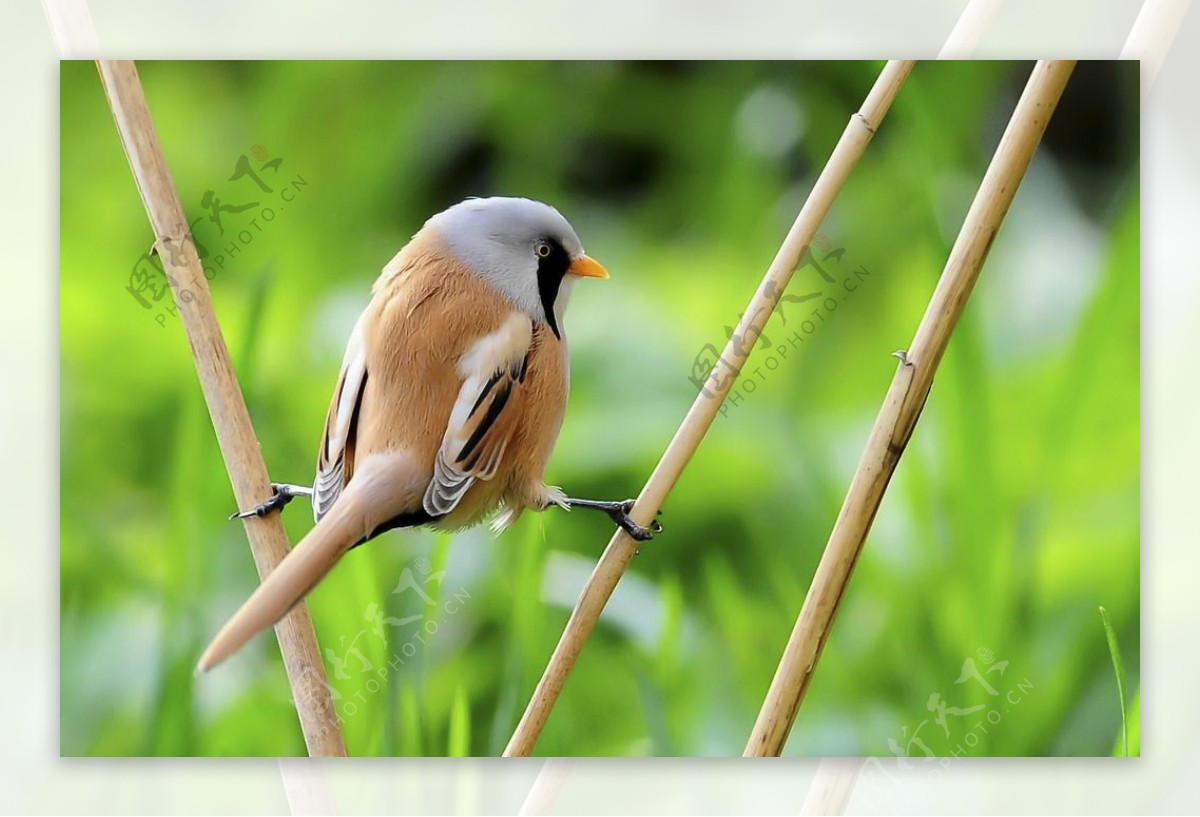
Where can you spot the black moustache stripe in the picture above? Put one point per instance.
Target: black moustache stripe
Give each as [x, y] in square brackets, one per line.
[551, 271]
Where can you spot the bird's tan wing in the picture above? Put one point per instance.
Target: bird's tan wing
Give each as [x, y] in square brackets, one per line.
[335, 462]
[485, 414]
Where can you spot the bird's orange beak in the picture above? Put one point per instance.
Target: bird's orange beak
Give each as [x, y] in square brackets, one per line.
[586, 267]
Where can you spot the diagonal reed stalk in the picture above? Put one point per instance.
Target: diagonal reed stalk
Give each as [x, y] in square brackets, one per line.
[231, 420]
[902, 406]
[621, 548]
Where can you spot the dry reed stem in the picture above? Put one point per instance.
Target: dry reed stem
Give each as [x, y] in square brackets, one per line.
[902, 406]
[621, 548]
[231, 420]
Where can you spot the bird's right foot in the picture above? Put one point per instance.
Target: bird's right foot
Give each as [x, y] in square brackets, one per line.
[619, 513]
[284, 493]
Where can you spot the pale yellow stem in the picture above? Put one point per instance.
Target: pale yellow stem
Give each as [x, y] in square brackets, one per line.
[231, 420]
[902, 406]
[621, 548]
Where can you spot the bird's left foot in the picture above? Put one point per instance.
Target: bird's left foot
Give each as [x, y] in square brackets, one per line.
[284, 494]
[619, 513]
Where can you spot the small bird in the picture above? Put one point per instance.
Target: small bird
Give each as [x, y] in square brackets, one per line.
[450, 398]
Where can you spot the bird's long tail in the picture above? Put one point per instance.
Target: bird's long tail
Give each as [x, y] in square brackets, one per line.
[308, 563]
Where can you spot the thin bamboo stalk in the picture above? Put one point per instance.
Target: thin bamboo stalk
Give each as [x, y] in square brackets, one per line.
[621, 548]
[903, 404]
[231, 420]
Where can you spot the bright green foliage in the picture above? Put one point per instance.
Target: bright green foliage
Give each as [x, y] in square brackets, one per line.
[1012, 516]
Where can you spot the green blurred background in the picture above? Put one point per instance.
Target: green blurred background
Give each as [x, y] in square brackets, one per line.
[1011, 519]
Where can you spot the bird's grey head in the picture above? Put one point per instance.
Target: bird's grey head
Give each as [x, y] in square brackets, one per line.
[524, 248]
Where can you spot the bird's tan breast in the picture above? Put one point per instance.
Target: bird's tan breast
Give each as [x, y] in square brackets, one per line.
[428, 313]
[544, 408]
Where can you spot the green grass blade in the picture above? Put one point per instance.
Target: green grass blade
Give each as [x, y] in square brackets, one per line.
[1135, 726]
[1119, 668]
[410, 722]
[460, 725]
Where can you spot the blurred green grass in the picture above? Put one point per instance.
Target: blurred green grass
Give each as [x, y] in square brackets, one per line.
[1012, 517]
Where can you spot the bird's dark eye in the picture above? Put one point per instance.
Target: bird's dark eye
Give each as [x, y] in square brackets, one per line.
[542, 249]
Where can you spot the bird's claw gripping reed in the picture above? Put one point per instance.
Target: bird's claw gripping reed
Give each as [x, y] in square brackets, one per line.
[619, 511]
[282, 494]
